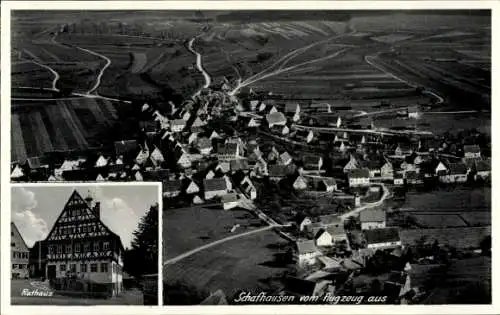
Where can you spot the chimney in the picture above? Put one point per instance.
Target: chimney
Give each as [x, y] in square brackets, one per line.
[89, 200]
[97, 210]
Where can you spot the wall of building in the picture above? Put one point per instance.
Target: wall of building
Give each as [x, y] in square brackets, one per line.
[372, 225]
[99, 276]
[384, 245]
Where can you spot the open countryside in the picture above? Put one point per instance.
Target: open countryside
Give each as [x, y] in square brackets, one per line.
[300, 153]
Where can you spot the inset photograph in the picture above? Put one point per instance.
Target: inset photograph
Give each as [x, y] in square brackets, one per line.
[86, 244]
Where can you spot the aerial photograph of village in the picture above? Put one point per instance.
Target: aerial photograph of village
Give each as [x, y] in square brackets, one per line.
[305, 157]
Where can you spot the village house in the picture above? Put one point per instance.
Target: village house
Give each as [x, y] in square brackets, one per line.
[177, 125]
[331, 235]
[398, 179]
[197, 200]
[372, 219]
[192, 188]
[358, 177]
[157, 157]
[338, 122]
[210, 174]
[341, 137]
[273, 154]
[472, 152]
[382, 238]
[215, 187]
[184, 160]
[204, 146]
[312, 163]
[171, 188]
[16, 172]
[214, 135]
[283, 130]
[306, 252]
[248, 188]
[230, 201]
[254, 104]
[239, 165]
[126, 148]
[198, 123]
[350, 164]
[254, 122]
[192, 137]
[241, 144]
[223, 167]
[277, 171]
[101, 161]
[457, 173]
[303, 222]
[276, 119]
[285, 158]
[300, 183]
[414, 178]
[19, 254]
[228, 151]
[328, 184]
[482, 169]
[292, 108]
[413, 111]
[403, 149]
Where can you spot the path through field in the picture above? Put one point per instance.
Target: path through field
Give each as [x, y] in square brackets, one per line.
[386, 194]
[281, 62]
[229, 238]
[54, 72]
[371, 61]
[101, 73]
[199, 65]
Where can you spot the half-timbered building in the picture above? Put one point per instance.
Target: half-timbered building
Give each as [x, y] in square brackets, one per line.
[81, 247]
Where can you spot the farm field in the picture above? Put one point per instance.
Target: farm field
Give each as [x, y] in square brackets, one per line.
[431, 220]
[187, 228]
[467, 281]
[248, 263]
[50, 125]
[458, 200]
[458, 237]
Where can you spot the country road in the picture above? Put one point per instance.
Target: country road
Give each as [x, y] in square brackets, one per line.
[229, 238]
[377, 132]
[54, 72]
[386, 194]
[199, 65]
[371, 61]
[284, 60]
[101, 73]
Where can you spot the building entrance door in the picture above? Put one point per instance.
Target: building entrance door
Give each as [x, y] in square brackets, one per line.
[51, 272]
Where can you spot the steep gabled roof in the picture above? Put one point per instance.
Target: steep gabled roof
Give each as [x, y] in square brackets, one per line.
[472, 149]
[77, 196]
[375, 236]
[359, 173]
[457, 168]
[214, 184]
[375, 215]
[14, 228]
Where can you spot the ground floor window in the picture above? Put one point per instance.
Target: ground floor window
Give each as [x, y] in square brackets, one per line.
[104, 267]
[93, 267]
[62, 267]
[14, 266]
[83, 267]
[72, 267]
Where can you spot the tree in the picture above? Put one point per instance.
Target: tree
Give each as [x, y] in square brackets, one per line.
[142, 257]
